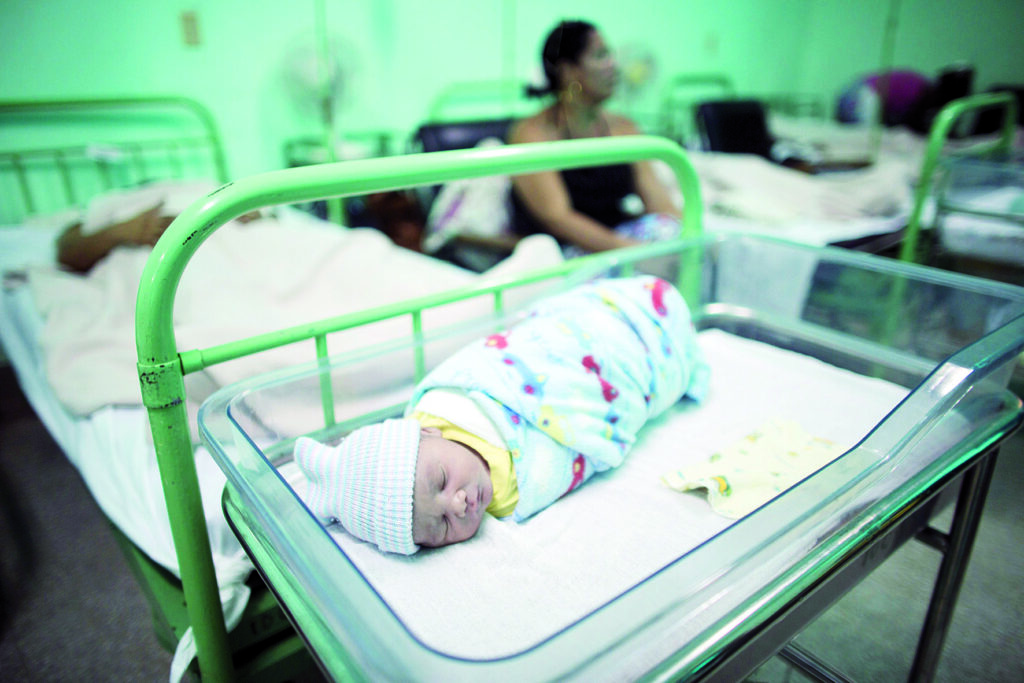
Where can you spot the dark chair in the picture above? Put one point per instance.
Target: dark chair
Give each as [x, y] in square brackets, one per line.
[735, 126]
[439, 137]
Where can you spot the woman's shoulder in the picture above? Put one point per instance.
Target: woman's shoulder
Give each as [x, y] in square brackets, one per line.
[619, 124]
[536, 128]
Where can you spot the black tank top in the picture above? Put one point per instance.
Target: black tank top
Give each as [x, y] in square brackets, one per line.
[596, 191]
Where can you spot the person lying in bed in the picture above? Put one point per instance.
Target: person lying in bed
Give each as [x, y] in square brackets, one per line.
[514, 421]
[586, 209]
[130, 217]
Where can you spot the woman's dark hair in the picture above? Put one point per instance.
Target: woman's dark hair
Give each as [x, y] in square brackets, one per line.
[565, 43]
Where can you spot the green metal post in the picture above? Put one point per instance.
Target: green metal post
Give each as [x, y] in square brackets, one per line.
[163, 394]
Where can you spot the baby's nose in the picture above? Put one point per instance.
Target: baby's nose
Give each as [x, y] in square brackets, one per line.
[458, 504]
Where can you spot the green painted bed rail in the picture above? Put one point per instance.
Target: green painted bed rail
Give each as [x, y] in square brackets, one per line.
[940, 130]
[162, 368]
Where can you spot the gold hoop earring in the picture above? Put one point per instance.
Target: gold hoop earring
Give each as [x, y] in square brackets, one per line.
[573, 91]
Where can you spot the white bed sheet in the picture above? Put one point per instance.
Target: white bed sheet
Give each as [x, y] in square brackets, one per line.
[559, 559]
[746, 193]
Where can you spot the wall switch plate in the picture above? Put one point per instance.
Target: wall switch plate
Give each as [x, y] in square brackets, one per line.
[190, 27]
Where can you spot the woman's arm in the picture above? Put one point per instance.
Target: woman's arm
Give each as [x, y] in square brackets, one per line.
[81, 252]
[652, 191]
[656, 197]
[546, 196]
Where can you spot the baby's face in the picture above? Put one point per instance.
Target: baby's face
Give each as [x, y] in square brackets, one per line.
[453, 487]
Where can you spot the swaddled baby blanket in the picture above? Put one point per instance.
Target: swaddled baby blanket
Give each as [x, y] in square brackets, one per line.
[570, 386]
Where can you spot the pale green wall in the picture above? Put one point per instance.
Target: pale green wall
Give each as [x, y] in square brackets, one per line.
[847, 39]
[400, 53]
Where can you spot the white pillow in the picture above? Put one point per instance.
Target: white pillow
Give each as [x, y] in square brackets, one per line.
[475, 206]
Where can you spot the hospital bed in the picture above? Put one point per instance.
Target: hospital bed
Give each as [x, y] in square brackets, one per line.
[971, 199]
[917, 405]
[70, 338]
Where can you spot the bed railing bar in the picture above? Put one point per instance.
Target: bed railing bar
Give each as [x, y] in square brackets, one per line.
[419, 363]
[74, 164]
[65, 174]
[86, 150]
[297, 185]
[26, 191]
[104, 173]
[174, 158]
[499, 304]
[326, 395]
[1001, 215]
[163, 391]
[198, 113]
[135, 152]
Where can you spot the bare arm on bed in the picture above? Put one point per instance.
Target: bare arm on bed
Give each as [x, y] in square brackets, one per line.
[81, 252]
[546, 196]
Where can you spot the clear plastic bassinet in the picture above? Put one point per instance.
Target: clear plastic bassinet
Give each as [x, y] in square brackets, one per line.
[945, 344]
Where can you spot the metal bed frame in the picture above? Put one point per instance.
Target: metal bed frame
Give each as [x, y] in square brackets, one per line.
[754, 633]
[41, 176]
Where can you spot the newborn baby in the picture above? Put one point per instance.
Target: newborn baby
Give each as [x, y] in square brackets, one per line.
[514, 421]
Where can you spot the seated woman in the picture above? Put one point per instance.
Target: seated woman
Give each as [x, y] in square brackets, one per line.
[586, 209]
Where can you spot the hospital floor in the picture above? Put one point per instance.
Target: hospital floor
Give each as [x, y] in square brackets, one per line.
[70, 610]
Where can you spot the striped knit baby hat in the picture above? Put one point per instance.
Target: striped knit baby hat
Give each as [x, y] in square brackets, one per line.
[366, 482]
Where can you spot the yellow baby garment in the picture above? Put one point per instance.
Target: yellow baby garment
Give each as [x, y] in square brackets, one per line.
[755, 469]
